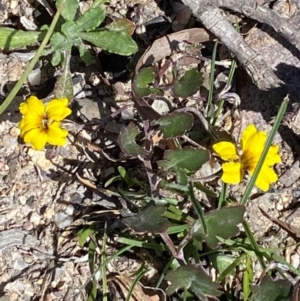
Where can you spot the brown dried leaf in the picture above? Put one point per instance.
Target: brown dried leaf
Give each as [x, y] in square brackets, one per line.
[139, 293]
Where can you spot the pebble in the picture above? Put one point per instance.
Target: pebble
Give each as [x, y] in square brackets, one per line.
[291, 175]
[9, 141]
[62, 220]
[295, 261]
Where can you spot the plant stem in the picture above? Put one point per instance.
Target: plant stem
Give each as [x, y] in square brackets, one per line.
[277, 122]
[31, 65]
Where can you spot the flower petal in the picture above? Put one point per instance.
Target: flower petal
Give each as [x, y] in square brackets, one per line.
[33, 106]
[27, 136]
[232, 172]
[226, 150]
[38, 139]
[273, 156]
[27, 127]
[253, 150]
[56, 135]
[247, 133]
[57, 109]
[266, 177]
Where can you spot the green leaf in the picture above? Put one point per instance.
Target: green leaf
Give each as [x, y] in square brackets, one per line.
[127, 141]
[14, 39]
[122, 25]
[149, 219]
[174, 124]
[269, 290]
[64, 84]
[221, 262]
[129, 181]
[188, 84]
[84, 233]
[69, 10]
[56, 58]
[143, 79]
[59, 42]
[91, 19]
[222, 222]
[188, 158]
[85, 54]
[113, 41]
[193, 278]
[182, 161]
[70, 30]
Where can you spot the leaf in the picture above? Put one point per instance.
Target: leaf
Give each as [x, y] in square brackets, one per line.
[122, 24]
[113, 41]
[127, 141]
[269, 290]
[222, 222]
[59, 42]
[56, 58]
[69, 10]
[91, 19]
[70, 31]
[182, 161]
[149, 219]
[64, 84]
[221, 262]
[193, 278]
[188, 84]
[187, 158]
[84, 233]
[142, 81]
[13, 39]
[85, 54]
[174, 124]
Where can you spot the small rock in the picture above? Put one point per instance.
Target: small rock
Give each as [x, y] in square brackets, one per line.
[35, 218]
[70, 210]
[291, 175]
[34, 77]
[28, 226]
[9, 141]
[62, 220]
[295, 261]
[15, 132]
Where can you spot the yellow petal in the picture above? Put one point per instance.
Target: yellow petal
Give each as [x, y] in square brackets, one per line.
[60, 102]
[27, 136]
[34, 106]
[232, 172]
[57, 109]
[247, 133]
[56, 135]
[253, 150]
[226, 150]
[23, 108]
[28, 125]
[266, 177]
[39, 139]
[273, 156]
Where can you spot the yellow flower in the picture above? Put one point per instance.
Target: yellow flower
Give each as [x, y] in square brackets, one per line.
[41, 123]
[252, 144]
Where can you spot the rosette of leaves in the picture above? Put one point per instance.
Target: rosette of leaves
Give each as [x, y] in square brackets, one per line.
[73, 30]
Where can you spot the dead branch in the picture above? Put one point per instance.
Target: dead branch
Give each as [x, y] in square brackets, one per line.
[207, 11]
[265, 15]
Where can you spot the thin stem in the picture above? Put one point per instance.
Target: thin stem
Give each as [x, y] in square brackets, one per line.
[31, 65]
[275, 127]
[222, 197]
[197, 208]
[254, 244]
[211, 81]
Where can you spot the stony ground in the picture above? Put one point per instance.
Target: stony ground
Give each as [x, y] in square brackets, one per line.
[42, 201]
